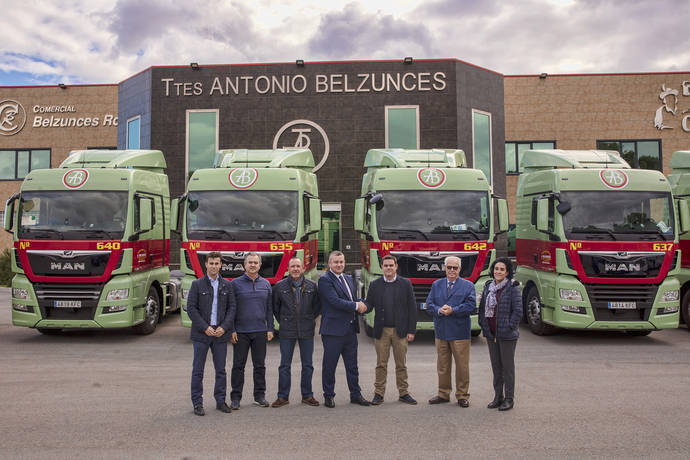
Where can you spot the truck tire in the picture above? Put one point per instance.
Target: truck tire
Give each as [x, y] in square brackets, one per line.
[152, 313]
[685, 309]
[49, 331]
[533, 310]
[476, 333]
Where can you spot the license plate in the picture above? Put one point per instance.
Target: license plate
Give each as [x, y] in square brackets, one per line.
[622, 305]
[422, 306]
[67, 304]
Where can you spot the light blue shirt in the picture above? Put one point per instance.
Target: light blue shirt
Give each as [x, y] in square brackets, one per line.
[214, 305]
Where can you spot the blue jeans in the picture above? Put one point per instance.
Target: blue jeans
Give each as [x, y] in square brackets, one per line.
[219, 350]
[306, 350]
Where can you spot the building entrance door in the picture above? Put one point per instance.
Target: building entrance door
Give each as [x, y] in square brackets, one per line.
[330, 235]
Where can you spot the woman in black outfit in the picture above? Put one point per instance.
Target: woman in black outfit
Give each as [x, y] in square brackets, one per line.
[500, 311]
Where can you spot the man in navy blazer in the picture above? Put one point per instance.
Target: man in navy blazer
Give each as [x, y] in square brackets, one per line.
[211, 307]
[339, 329]
[451, 301]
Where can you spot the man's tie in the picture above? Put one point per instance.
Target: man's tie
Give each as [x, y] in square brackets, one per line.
[450, 288]
[347, 290]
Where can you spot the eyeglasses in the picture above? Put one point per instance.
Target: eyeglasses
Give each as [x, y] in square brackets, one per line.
[452, 267]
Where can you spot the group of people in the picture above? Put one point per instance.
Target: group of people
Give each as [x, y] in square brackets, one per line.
[242, 312]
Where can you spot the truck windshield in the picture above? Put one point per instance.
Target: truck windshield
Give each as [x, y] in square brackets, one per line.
[73, 215]
[429, 215]
[242, 215]
[618, 215]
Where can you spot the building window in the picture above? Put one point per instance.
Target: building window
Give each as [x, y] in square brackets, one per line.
[16, 164]
[402, 126]
[133, 132]
[643, 154]
[481, 142]
[202, 139]
[516, 149]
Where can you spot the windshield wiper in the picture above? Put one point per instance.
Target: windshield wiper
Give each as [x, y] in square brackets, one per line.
[109, 235]
[273, 232]
[594, 230]
[38, 230]
[657, 231]
[399, 230]
[215, 231]
[467, 230]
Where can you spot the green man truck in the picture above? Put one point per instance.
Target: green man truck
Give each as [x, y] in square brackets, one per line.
[597, 243]
[91, 243]
[680, 183]
[263, 201]
[422, 206]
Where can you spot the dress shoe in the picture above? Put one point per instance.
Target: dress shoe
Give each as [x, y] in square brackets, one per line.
[199, 410]
[328, 402]
[438, 400]
[378, 399]
[310, 401]
[261, 402]
[235, 404]
[223, 407]
[407, 399]
[463, 403]
[280, 402]
[359, 400]
[495, 403]
[507, 404]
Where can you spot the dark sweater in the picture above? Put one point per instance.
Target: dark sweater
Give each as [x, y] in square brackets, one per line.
[399, 294]
[254, 305]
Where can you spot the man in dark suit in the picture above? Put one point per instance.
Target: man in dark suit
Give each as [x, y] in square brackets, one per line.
[395, 322]
[211, 307]
[339, 329]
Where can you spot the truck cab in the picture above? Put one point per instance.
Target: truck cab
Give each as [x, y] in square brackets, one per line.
[91, 243]
[680, 183]
[596, 243]
[264, 201]
[422, 206]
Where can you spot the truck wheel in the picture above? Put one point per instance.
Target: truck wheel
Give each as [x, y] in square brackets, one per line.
[533, 309]
[685, 309]
[152, 312]
[49, 331]
[476, 333]
[638, 333]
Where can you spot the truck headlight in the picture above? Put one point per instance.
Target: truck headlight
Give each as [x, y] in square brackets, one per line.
[573, 309]
[570, 294]
[26, 308]
[667, 310]
[114, 308]
[669, 296]
[19, 293]
[118, 294]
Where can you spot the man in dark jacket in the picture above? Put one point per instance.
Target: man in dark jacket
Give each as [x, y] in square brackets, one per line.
[253, 328]
[395, 322]
[211, 307]
[451, 301]
[296, 306]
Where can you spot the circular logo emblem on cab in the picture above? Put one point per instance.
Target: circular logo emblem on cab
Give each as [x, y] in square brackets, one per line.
[243, 177]
[75, 178]
[431, 177]
[613, 178]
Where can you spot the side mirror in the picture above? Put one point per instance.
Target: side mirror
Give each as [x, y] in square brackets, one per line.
[9, 212]
[563, 207]
[314, 215]
[360, 210]
[502, 215]
[683, 213]
[174, 215]
[543, 214]
[377, 200]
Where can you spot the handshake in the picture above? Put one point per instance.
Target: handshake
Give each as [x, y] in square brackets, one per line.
[361, 307]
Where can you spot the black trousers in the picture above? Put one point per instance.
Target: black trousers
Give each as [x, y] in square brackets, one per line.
[256, 342]
[502, 354]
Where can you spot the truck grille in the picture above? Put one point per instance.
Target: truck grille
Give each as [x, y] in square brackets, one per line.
[601, 294]
[233, 263]
[621, 266]
[68, 262]
[88, 294]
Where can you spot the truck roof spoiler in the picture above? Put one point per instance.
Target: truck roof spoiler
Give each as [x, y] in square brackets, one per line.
[276, 158]
[149, 160]
[680, 160]
[408, 158]
[575, 159]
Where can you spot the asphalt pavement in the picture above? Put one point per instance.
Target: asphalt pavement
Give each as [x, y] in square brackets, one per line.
[113, 394]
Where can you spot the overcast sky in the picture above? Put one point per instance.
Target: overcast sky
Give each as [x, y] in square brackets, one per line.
[106, 41]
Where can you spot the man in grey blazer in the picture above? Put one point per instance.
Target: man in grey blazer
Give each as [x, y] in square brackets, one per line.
[211, 307]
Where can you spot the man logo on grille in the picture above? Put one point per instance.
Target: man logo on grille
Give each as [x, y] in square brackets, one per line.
[75, 178]
[12, 117]
[243, 177]
[613, 178]
[431, 177]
